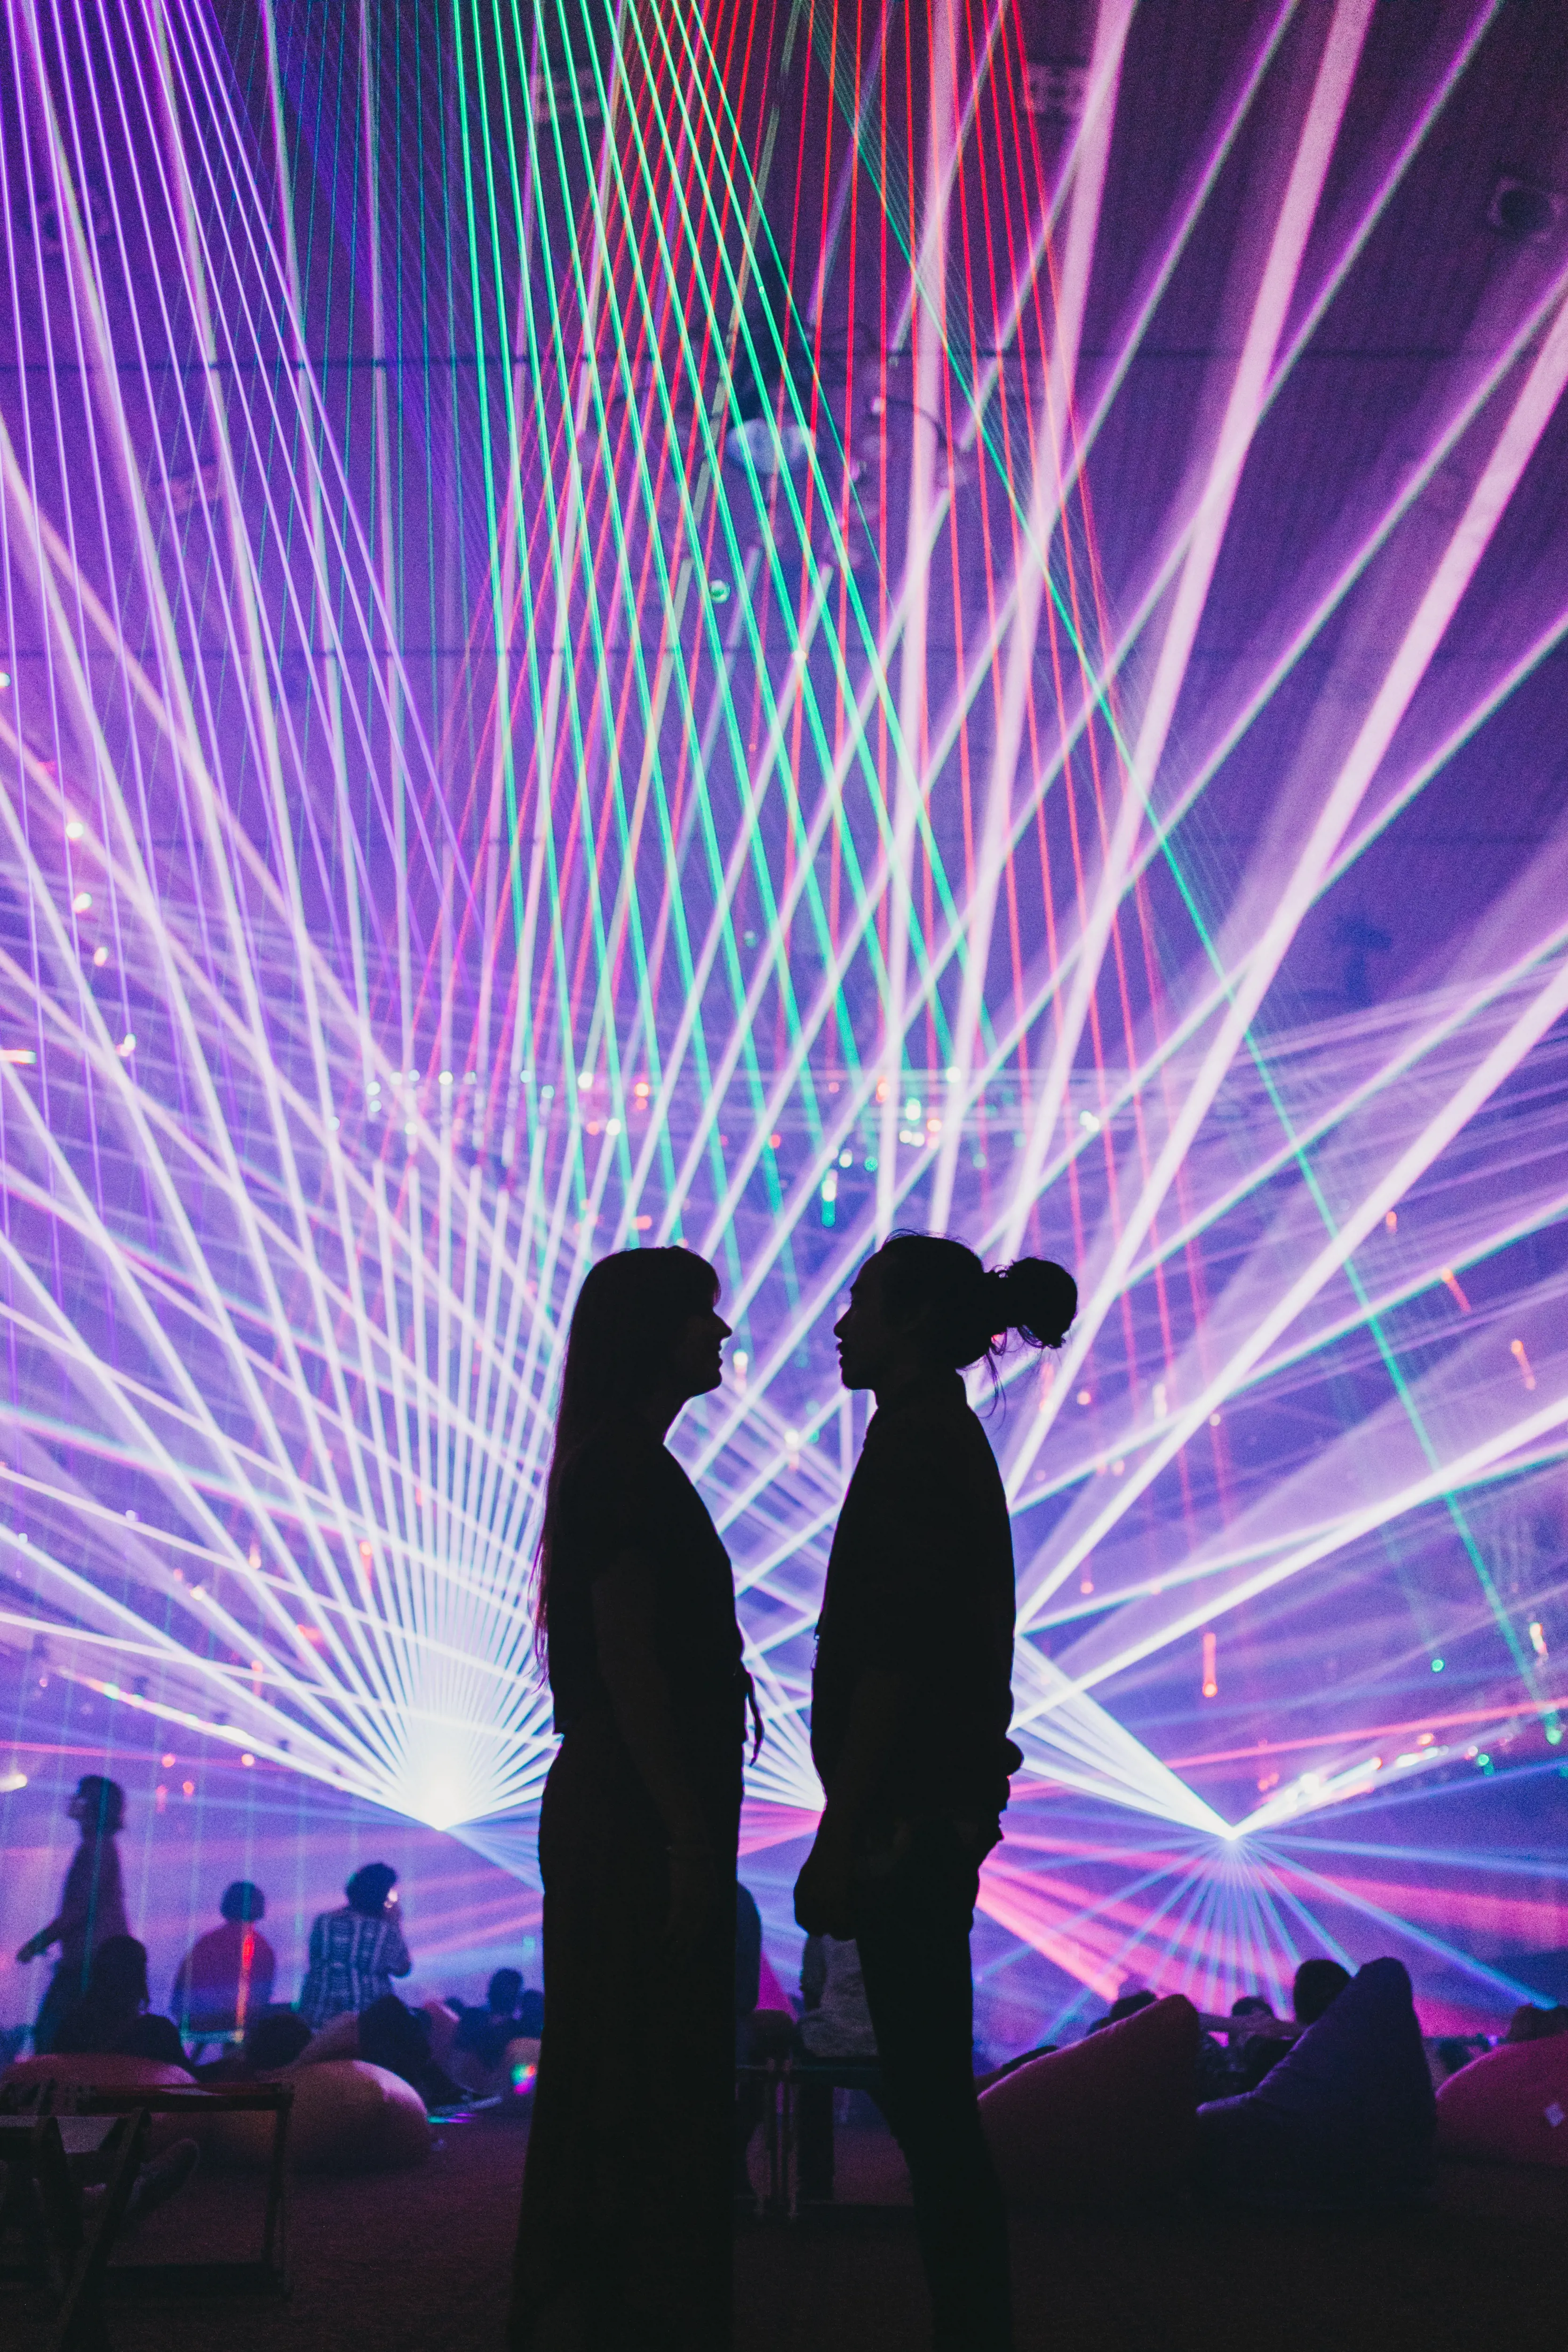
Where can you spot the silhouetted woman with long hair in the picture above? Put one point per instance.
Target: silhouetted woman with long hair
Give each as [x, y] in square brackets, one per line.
[911, 1704]
[626, 2200]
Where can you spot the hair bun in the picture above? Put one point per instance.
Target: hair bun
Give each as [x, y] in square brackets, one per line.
[1037, 1298]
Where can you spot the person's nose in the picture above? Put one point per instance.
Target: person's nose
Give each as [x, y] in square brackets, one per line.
[726, 1330]
[838, 1326]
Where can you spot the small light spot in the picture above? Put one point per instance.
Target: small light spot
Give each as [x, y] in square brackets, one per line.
[1084, 1397]
[100, 957]
[446, 1078]
[82, 902]
[75, 829]
[247, 1759]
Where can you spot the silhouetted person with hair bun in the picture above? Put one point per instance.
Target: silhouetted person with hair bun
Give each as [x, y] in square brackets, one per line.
[910, 1706]
[355, 1952]
[92, 1903]
[626, 2210]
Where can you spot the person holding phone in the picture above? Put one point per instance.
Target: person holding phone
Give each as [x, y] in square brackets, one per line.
[356, 1951]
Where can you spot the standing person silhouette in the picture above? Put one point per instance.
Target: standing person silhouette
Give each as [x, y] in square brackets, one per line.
[92, 1904]
[627, 2199]
[356, 1950]
[911, 1705]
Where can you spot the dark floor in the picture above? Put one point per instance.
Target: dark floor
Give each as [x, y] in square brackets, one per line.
[417, 2262]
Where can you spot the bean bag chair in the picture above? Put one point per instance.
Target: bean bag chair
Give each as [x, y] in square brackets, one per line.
[71, 2078]
[348, 2117]
[1346, 2120]
[76, 2073]
[443, 2028]
[339, 2038]
[1107, 2123]
[1509, 2107]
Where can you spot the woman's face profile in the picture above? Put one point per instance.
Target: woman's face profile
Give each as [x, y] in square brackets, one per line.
[865, 1341]
[697, 1363]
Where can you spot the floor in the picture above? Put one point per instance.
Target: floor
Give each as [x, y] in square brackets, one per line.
[417, 2262]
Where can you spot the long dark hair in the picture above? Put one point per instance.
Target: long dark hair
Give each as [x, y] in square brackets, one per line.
[628, 1316]
[967, 1312]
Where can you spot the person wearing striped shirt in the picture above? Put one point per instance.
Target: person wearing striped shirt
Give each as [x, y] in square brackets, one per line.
[356, 1951]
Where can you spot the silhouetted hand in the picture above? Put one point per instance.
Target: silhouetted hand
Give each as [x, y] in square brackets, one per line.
[33, 1949]
[825, 1891]
[691, 1897]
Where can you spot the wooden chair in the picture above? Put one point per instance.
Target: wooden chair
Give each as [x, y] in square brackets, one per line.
[268, 2274]
[43, 2157]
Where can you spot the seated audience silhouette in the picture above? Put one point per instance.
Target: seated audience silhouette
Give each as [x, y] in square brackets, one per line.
[1127, 2005]
[272, 2042]
[110, 2019]
[1258, 2040]
[1346, 2118]
[511, 2012]
[1531, 2023]
[1317, 1983]
[357, 1950]
[226, 1977]
[394, 2036]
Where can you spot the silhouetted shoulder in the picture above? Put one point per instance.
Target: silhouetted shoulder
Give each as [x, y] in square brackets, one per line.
[931, 1440]
[609, 1499]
